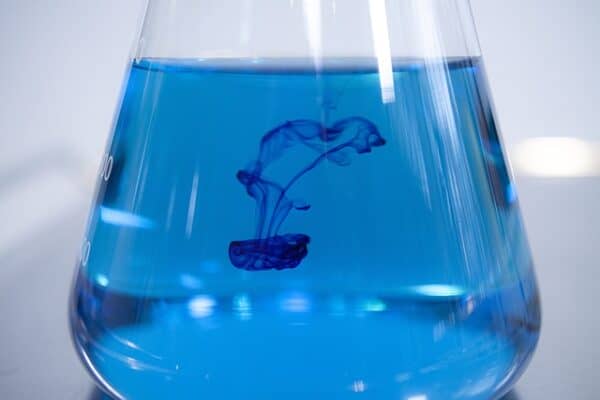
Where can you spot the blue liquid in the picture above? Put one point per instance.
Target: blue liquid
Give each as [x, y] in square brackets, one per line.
[394, 266]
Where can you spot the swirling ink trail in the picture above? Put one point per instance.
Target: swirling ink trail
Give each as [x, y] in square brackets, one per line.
[270, 250]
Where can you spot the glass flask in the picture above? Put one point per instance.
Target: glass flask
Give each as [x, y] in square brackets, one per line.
[305, 200]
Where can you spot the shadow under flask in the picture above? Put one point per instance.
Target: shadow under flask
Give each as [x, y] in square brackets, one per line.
[305, 200]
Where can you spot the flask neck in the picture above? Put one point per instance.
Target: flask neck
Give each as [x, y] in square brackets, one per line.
[316, 29]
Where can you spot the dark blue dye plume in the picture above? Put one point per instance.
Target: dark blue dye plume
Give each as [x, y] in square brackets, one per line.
[269, 250]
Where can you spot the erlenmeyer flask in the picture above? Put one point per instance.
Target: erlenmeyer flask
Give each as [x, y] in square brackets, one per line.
[305, 200]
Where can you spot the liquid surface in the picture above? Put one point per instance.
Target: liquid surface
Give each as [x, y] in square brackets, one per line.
[262, 230]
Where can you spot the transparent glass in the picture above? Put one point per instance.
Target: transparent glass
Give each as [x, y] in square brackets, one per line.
[305, 200]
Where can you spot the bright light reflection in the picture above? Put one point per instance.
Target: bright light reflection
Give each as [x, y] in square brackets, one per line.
[469, 305]
[358, 386]
[102, 280]
[192, 206]
[134, 364]
[312, 22]
[417, 397]
[557, 157]
[439, 290]
[381, 42]
[373, 305]
[295, 302]
[123, 218]
[242, 306]
[202, 306]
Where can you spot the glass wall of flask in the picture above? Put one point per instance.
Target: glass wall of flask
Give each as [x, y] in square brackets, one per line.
[305, 199]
